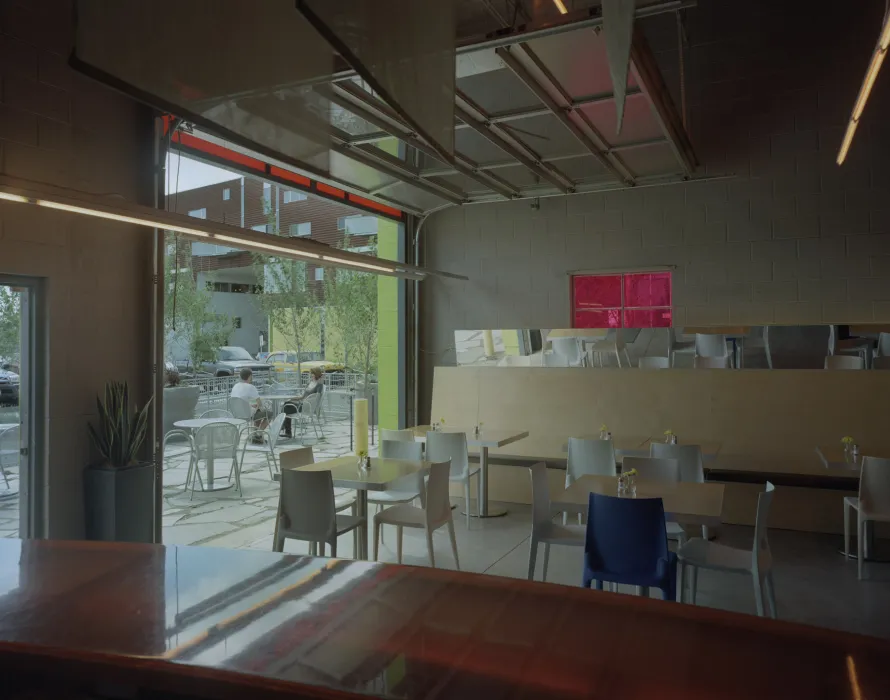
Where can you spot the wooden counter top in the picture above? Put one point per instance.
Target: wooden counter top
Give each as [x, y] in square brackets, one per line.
[227, 623]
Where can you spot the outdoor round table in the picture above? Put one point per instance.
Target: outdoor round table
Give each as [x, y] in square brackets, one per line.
[279, 398]
[193, 424]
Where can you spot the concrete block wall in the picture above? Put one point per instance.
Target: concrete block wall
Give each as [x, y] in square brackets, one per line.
[779, 234]
[60, 128]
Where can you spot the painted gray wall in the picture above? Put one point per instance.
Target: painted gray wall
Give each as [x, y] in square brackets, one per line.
[788, 237]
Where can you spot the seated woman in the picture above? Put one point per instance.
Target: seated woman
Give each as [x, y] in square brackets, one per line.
[295, 405]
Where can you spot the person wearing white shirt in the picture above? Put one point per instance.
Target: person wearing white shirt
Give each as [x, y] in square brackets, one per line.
[247, 391]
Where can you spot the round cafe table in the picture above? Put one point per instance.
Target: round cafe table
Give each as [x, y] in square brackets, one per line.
[194, 424]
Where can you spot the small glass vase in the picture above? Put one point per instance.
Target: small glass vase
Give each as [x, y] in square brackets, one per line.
[364, 463]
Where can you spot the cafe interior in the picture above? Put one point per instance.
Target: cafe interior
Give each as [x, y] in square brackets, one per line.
[626, 437]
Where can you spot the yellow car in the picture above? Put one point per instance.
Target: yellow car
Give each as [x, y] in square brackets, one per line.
[286, 361]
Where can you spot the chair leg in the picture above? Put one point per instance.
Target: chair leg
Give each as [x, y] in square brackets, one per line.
[532, 557]
[771, 596]
[758, 593]
[479, 494]
[626, 357]
[429, 544]
[467, 500]
[860, 543]
[453, 543]
[278, 544]
[546, 560]
[694, 583]
[382, 530]
[334, 548]
[681, 581]
[399, 529]
[376, 538]
[846, 530]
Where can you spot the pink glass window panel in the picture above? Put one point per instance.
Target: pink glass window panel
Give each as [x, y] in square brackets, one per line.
[647, 289]
[598, 318]
[647, 318]
[597, 291]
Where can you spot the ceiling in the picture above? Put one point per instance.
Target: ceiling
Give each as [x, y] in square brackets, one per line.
[534, 116]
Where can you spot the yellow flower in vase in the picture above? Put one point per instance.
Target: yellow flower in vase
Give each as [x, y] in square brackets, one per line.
[847, 440]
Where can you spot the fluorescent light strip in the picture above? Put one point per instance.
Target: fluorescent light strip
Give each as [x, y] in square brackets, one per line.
[873, 68]
[561, 7]
[332, 259]
[265, 246]
[848, 139]
[118, 217]
[13, 198]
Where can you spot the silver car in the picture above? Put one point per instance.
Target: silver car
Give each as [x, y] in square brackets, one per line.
[231, 360]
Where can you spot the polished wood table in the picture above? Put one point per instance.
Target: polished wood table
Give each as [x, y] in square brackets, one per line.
[220, 624]
[484, 440]
[684, 502]
[382, 475]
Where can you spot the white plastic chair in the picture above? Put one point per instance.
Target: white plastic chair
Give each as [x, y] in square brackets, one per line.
[452, 447]
[689, 457]
[569, 350]
[217, 439]
[654, 363]
[678, 347]
[613, 344]
[396, 435]
[588, 457]
[544, 530]
[664, 470]
[303, 456]
[405, 490]
[10, 450]
[267, 446]
[872, 504]
[435, 513]
[883, 348]
[756, 562]
[710, 345]
[217, 413]
[308, 512]
[711, 362]
[844, 362]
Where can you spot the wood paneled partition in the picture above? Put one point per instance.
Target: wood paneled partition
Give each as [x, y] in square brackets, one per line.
[767, 422]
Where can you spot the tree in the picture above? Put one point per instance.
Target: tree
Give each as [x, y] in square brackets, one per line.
[10, 324]
[351, 305]
[188, 317]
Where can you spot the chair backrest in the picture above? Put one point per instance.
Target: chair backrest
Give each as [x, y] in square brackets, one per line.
[541, 513]
[275, 429]
[689, 457]
[874, 485]
[240, 408]
[701, 362]
[223, 436]
[710, 345]
[307, 505]
[441, 447]
[438, 506]
[569, 348]
[396, 435]
[843, 362]
[883, 349]
[761, 522]
[398, 449]
[10, 446]
[661, 469]
[299, 457]
[552, 359]
[312, 404]
[654, 363]
[217, 413]
[882, 362]
[589, 457]
[625, 536]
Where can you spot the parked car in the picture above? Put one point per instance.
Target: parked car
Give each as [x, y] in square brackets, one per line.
[286, 361]
[9, 388]
[231, 360]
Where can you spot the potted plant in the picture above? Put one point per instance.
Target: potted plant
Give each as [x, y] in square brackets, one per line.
[119, 487]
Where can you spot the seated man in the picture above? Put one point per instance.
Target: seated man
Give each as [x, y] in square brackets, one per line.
[247, 391]
[294, 405]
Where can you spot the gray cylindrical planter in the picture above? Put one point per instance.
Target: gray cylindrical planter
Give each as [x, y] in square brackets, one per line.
[119, 503]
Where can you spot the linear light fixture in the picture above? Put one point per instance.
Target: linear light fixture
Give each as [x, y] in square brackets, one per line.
[874, 67]
[103, 207]
[560, 5]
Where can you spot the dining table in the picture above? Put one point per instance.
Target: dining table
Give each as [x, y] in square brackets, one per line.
[345, 473]
[484, 440]
[690, 503]
[193, 425]
[625, 446]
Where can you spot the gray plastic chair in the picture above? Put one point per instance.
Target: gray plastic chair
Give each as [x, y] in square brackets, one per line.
[219, 439]
[544, 530]
[309, 513]
[435, 514]
[689, 457]
[588, 457]
[452, 447]
[396, 435]
[844, 362]
[654, 363]
[711, 362]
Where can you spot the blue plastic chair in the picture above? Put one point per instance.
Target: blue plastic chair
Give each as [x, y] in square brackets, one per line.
[626, 542]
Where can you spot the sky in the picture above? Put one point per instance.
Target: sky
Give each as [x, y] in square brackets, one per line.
[192, 174]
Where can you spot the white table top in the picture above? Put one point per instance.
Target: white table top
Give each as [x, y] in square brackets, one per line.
[195, 423]
[486, 438]
[282, 397]
[346, 474]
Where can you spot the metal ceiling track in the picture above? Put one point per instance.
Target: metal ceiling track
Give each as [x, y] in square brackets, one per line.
[520, 59]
